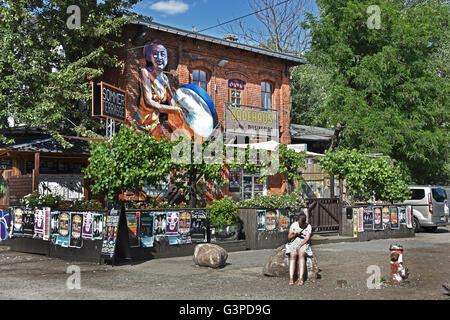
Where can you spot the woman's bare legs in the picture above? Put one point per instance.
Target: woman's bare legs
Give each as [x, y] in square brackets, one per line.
[292, 258]
[301, 265]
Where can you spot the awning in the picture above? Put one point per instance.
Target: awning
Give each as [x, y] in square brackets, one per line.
[271, 146]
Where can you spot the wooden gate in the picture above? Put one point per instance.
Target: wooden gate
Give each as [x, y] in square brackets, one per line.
[325, 214]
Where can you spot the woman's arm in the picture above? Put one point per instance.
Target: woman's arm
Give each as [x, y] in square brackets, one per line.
[292, 235]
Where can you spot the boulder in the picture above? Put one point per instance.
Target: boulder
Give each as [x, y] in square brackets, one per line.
[210, 255]
[278, 265]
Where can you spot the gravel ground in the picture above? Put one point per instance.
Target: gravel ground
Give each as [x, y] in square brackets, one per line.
[427, 256]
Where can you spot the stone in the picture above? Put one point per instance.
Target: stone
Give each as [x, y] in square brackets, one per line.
[278, 265]
[210, 255]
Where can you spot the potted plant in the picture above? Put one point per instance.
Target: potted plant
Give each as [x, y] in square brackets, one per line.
[223, 220]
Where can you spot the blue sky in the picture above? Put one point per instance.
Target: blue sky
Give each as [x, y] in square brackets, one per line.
[202, 14]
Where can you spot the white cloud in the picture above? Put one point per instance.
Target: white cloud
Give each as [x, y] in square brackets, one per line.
[171, 7]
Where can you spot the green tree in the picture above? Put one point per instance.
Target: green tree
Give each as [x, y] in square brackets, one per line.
[126, 162]
[385, 95]
[45, 66]
[367, 177]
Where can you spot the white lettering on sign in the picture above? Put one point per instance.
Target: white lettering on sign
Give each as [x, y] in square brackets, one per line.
[113, 103]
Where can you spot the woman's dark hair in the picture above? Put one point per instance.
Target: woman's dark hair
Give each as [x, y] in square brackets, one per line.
[302, 218]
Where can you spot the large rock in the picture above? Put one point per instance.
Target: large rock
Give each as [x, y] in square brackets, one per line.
[278, 265]
[210, 255]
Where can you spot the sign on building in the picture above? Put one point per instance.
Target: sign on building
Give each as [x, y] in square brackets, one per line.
[108, 101]
[251, 122]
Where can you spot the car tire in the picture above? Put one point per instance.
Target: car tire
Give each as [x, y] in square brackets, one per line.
[416, 225]
[433, 229]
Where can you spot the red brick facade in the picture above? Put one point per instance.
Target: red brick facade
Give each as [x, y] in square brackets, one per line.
[186, 54]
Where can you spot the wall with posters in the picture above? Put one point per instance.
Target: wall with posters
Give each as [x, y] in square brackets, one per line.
[370, 222]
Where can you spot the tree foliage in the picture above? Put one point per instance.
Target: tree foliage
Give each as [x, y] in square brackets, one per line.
[367, 177]
[385, 93]
[45, 66]
[127, 161]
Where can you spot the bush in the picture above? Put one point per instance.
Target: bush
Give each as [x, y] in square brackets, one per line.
[222, 212]
[275, 201]
[55, 202]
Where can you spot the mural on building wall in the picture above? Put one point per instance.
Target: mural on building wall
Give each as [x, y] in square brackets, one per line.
[188, 108]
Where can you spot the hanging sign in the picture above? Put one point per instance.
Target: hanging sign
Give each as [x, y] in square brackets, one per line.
[108, 101]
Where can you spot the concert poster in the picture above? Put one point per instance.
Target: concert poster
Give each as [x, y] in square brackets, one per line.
[377, 218]
[39, 223]
[271, 220]
[394, 218]
[159, 224]
[87, 230]
[260, 220]
[172, 223]
[360, 219]
[368, 218]
[146, 229]
[76, 241]
[62, 239]
[386, 216]
[184, 226]
[402, 215]
[18, 221]
[283, 220]
[28, 222]
[198, 226]
[133, 225]
[97, 226]
[47, 223]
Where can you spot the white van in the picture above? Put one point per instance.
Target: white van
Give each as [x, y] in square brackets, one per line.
[429, 206]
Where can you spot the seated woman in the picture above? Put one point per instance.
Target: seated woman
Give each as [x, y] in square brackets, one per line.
[298, 247]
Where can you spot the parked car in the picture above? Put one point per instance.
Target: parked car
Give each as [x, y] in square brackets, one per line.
[430, 207]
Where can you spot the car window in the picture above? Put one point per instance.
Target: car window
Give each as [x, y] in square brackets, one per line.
[417, 194]
[439, 194]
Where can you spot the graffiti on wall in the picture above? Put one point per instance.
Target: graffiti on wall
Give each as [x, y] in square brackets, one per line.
[188, 108]
[4, 222]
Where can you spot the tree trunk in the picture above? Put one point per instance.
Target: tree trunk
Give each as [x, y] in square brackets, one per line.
[337, 137]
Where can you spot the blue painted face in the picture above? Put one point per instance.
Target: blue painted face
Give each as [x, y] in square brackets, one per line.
[158, 56]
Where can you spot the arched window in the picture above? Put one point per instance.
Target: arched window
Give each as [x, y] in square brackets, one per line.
[266, 95]
[199, 77]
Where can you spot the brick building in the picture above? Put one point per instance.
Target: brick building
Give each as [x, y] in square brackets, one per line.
[250, 77]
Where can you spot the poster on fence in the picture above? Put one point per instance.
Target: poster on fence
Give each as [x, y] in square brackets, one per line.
[97, 226]
[271, 220]
[4, 223]
[368, 218]
[62, 239]
[198, 226]
[361, 219]
[54, 223]
[47, 223]
[38, 223]
[76, 241]
[355, 222]
[110, 234]
[159, 225]
[172, 223]
[394, 218]
[260, 220]
[184, 226]
[146, 229]
[283, 220]
[386, 216]
[378, 218]
[402, 215]
[87, 230]
[133, 229]
[408, 217]
[17, 221]
[28, 222]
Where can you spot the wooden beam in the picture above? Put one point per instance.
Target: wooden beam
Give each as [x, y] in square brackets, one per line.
[36, 171]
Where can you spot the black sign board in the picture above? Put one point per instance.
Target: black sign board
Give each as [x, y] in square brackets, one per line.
[108, 101]
[5, 164]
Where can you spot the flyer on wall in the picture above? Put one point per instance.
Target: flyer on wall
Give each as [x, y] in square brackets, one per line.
[110, 235]
[17, 221]
[360, 219]
[54, 223]
[47, 223]
[408, 217]
[87, 229]
[198, 226]
[271, 220]
[283, 219]
[28, 222]
[184, 226]
[402, 215]
[133, 225]
[62, 239]
[159, 225]
[368, 218]
[386, 216]
[394, 218]
[146, 229]
[97, 226]
[39, 223]
[377, 218]
[355, 222]
[172, 223]
[76, 241]
[260, 220]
